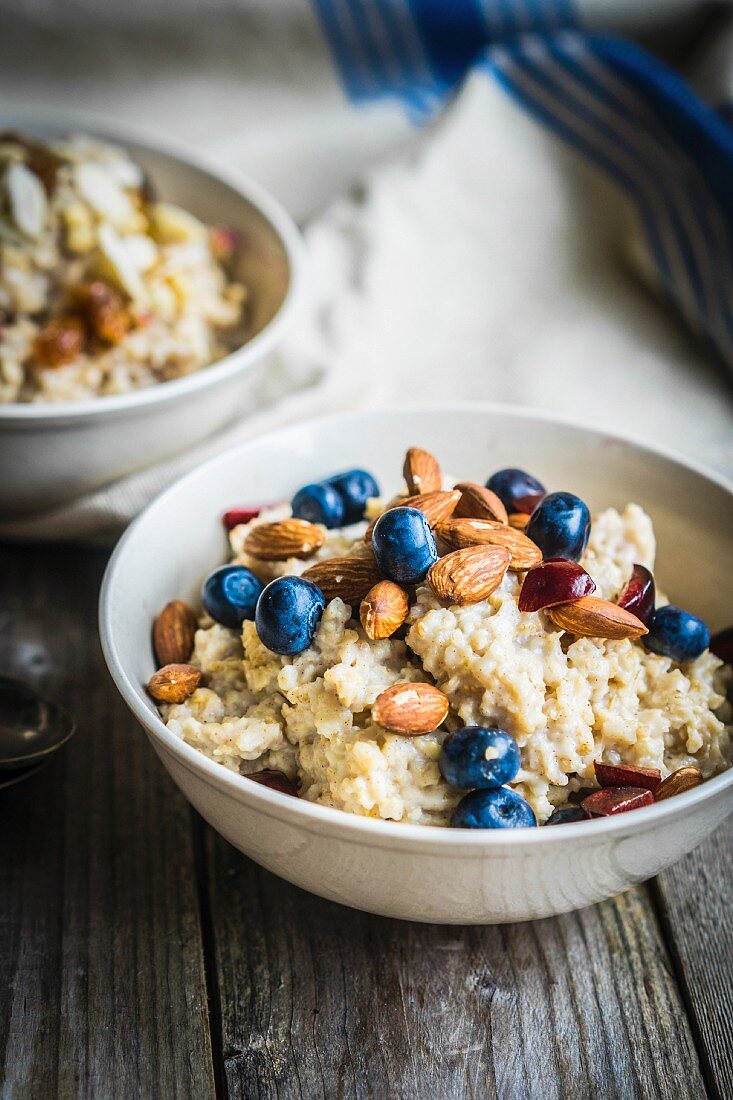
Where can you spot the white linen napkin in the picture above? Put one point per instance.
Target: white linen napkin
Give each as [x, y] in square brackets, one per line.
[479, 258]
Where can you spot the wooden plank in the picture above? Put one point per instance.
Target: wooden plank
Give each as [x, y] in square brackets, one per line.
[102, 987]
[319, 1000]
[694, 899]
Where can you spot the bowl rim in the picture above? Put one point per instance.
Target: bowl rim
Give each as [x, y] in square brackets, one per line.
[19, 414]
[375, 830]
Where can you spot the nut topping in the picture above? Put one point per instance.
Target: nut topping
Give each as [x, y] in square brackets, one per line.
[592, 617]
[174, 683]
[422, 472]
[173, 633]
[684, 779]
[410, 709]
[467, 576]
[478, 502]
[523, 553]
[383, 610]
[59, 342]
[349, 578]
[287, 538]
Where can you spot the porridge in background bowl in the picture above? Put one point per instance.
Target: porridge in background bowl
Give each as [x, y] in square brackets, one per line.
[469, 655]
[104, 288]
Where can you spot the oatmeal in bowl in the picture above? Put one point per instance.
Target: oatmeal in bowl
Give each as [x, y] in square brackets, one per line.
[474, 655]
[105, 287]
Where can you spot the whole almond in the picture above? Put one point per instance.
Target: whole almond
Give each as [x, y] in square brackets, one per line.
[287, 538]
[524, 554]
[410, 709]
[173, 633]
[348, 578]
[174, 683]
[478, 502]
[422, 472]
[470, 575]
[592, 617]
[436, 507]
[684, 779]
[383, 610]
[518, 520]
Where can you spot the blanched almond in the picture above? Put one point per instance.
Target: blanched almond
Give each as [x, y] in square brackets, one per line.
[174, 683]
[436, 507]
[478, 502]
[287, 538]
[348, 578]
[410, 709]
[592, 617]
[523, 553]
[467, 576]
[383, 610]
[173, 633]
[684, 779]
[422, 472]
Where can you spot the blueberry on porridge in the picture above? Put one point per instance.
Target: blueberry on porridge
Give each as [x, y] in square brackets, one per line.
[104, 288]
[472, 655]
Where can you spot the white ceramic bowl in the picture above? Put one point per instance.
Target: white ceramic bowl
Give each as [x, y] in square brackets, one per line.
[410, 871]
[52, 452]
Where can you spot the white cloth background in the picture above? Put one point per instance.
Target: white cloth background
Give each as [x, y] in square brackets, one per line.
[477, 259]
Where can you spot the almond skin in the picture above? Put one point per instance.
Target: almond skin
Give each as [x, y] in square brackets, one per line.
[421, 472]
[173, 633]
[684, 779]
[436, 507]
[467, 576]
[287, 538]
[410, 709]
[348, 578]
[592, 617]
[174, 683]
[478, 502]
[383, 610]
[523, 553]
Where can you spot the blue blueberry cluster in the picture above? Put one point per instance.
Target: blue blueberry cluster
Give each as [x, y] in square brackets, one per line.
[403, 545]
[288, 612]
[337, 500]
[560, 526]
[485, 758]
[230, 595]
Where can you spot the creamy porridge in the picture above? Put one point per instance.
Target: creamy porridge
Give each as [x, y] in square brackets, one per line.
[103, 288]
[572, 686]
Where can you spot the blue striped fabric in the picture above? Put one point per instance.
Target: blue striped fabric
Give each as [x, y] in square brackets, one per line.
[633, 117]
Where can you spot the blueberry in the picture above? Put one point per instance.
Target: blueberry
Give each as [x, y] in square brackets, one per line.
[566, 815]
[479, 757]
[288, 612]
[319, 502]
[355, 487]
[499, 808]
[560, 526]
[517, 490]
[677, 634]
[230, 594]
[403, 545]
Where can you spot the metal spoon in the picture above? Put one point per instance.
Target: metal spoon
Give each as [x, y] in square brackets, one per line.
[31, 728]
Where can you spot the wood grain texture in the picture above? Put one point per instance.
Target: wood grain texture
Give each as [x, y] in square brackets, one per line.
[318, 1000]
[102, 989]
[694, 900]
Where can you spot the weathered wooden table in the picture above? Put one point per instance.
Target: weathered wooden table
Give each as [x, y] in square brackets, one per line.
[142, 956]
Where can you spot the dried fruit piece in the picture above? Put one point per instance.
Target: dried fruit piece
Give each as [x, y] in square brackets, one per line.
[383, 610]
[436, 507]
[638, 594]
[173, 633]
[470, 575]
[410, 709]
[236, 516]
[59, 342]
[275, 780]
[287, 538]
[554, 582]
[519, 520]
[592, 617]
[721, 644]
[477, 502]
[684, 779]
[616, 800]
[627, 775]
[174, 683]
[422, 472]
[349, 578]
[105, 311]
